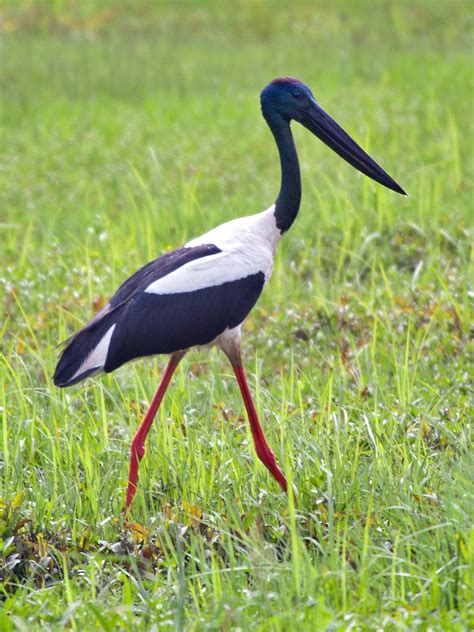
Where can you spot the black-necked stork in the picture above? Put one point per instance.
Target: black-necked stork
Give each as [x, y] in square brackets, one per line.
[200, 294]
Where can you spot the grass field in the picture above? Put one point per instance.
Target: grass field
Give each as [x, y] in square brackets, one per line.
[129, 127]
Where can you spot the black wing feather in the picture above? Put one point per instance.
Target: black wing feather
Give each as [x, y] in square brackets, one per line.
[149, 324]
[142, 278]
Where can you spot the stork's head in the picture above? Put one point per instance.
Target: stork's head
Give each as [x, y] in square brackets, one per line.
[285, 99]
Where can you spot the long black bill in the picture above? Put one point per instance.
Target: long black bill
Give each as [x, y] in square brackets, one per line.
[326, 128]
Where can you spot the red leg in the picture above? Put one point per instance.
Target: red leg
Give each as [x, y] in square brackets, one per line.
[262, 448]
[137, 449]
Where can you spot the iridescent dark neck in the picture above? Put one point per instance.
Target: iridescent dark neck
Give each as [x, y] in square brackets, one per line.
[288, 200]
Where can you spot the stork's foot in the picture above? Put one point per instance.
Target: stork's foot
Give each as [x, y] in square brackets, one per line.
[267, 457]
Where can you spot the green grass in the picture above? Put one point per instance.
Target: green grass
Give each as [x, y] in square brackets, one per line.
[129, 127]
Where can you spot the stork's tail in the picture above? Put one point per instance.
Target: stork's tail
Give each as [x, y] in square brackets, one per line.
[85, 353]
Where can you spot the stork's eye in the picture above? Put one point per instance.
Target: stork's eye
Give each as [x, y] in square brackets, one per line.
[298, 94]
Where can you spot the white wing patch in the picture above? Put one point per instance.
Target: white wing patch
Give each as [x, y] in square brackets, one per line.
[98, 356]
[203, 273]
[248, 246]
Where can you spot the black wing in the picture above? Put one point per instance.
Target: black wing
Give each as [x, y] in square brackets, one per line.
[79, 345]
[163, 323]
[148, 324]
